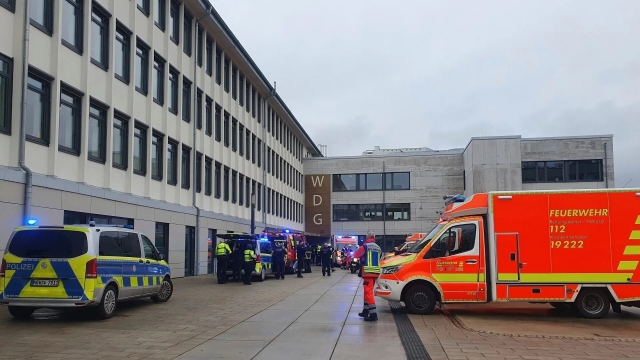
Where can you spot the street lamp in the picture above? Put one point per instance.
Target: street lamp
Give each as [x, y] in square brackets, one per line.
[253, 213]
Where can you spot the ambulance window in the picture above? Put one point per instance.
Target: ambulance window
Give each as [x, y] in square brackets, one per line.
[109, 244]
[456, 240]
[130, 245]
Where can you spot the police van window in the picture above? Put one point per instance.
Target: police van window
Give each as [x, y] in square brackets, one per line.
[44, 243]
[130, 245]
[149, 250]
[109, 244]
[265, 247]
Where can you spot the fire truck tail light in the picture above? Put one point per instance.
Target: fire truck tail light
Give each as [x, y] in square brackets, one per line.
[505, 197]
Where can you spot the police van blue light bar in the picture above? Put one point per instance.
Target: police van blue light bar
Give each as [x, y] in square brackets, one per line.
[287, 231]
[32, 222]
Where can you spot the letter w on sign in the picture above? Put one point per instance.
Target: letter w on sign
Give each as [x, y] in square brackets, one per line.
[317, 181]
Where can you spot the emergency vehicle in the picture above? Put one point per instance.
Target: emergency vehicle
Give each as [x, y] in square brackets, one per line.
[80, 266]
[262, 247]
[289, 242]
[341, 245]
[577, 248]
[412, 239]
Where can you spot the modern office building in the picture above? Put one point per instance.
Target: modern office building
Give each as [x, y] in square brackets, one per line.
[396, 192]
[134, 106]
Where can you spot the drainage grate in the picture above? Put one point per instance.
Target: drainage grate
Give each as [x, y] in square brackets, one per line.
[411, 342]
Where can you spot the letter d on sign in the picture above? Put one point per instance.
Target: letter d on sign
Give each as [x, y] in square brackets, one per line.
[317, 200]
[317, 219]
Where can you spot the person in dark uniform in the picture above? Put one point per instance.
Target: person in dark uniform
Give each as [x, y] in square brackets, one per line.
[238, 261]
[222, 255]
[249, 264]
[333, 254]
[326, 259]
[318, 250]
[300, 250]
[278, 261]
[307, 258]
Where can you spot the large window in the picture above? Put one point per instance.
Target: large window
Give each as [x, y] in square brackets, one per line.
[174, 22]
[234, 186]
[208, 112]
[72, 25]
[199, 109]
[209, 56]
[120, 140]
[38, 108]
[226, 74]
[172, 162]
[225, 186]
[234, 83]
[371, 182]
[144, 6]
[162, 240]
[397, 181]
[241, 92]
[186, 99]
[174, 75]
[70, 123]
[562, 171]
[371, 212]
[218, 66]
[6, 91]
[186, 45]
[241, 190]
[140, 149]
[247, 141]
[259, 153]
[398, 212]
[218, 180]
[185, 167]
[99, 36]
[208, 162]
[248, 93]
[41, 12]
[253, 102]
[199, 44]
[122, 50]
[241, 140]
[97, 132]
[198, 172]
[234, 134]
[157, 149]
[158, 80]
[159, 13]
[226, 129]
[142, 67]
[218, 123]
[253, 149]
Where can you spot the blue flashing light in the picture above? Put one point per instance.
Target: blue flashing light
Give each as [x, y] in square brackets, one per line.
[32, 222]
[287, 231]
[128, 226]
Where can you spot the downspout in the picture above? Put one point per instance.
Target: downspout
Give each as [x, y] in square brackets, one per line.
[384, 207]
[28, 182]
[606, 174]
[264, 156]
[195, 131]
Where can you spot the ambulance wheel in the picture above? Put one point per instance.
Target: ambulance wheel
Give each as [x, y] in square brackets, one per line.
[420, 300]
[166, 290]
[21, 312]
[108, 304]
[593, 303]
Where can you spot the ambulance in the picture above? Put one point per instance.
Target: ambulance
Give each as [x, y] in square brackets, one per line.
[412, 239]
[570, 248]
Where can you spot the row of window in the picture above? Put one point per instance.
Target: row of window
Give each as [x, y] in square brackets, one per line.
[371, 182]
[562, 171]
[372, 212]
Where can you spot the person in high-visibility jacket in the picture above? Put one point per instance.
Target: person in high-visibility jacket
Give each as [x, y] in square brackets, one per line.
[369, 254]
[222, 255]
[319, 255]
[249, 264]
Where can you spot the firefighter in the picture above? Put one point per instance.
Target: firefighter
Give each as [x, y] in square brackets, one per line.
[249, 264]
[319, 254]
[238, 261]
[325, 254]
[278, 261]
[300, 250]
[307, 258]
[369, 254]
[222, 255]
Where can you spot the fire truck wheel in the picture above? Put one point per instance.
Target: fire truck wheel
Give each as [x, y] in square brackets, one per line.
[420, 299]
[593, 303]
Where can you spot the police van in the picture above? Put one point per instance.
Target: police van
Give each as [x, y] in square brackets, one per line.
[79, 266]
[262, 247]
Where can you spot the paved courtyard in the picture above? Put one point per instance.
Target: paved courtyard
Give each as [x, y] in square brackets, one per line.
[311, 318]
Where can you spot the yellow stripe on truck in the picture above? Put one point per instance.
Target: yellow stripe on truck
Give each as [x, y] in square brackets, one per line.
[456, 277]
[635, 234]
[628, 265]
[632, 250]
[567, 278]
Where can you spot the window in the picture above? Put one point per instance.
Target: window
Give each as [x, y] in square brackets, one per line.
[253, 102]
[150, 251]
[234, 186]
[140, 150]
[398, 212]
[218, 66]
[209, 116]
[247, 139]
[248, 93]
[41, 12]
[247, 192]
[70, 113]
[186, 45]
[253, 193]
[6, 92]
[186, 99]
[370, 182]
[209, 50]
[226, 129]
[158, 80]
[38, 109]
[97, 132]
[198, 172]
[259, 107]
[143, 5]
[199, 109]
[268, 204]
[371, 212]
[172, 162]
[241, 92]
[174, 22]
[218, 180]
[234, 134]
[259, 153]
[109, 244]
[241, 190]
[199, 46]
[555, 171]
[173, 90]
[345, 182]
[162, 240]
[72, 25]
[397, 181]
[234, 83]
[562, 171]
[185, 167]
[374, 181]
[122, 49]
[226, 184]
[207, 175]
[268, 118]
[259, 197]
[8, 4]
[218, 123]
[268, 160]
[226, 74]
[159, 13]
[99, 36]
[253, 149]
[241, 140]
[157, 150]
[142, 67]
[120, 141]
[455, 240]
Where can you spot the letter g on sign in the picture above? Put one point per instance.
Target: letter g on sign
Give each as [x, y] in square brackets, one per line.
[317, 219]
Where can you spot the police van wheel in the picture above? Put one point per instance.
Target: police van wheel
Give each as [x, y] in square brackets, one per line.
[593, 303]
[263, 275]
[420, 300]
[108, 304]
[166, 290]
[21, 312]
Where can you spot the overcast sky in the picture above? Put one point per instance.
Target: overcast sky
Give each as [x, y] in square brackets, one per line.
[360, 73]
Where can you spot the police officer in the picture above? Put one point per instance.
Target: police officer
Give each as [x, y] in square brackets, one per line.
[278, 261]
[300, 250]
[249, 264]
[222, 254]
[307, 258]
[369, 254]
[319, 255]
[325, 254]
[238, 261]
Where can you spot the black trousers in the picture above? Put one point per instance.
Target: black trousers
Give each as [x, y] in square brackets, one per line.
[222, 270]
[300, 265]
[326, 267]
[278, 268]
[307, 265]
[249, 266]
[237, 270]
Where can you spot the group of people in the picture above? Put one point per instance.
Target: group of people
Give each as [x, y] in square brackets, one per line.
[320, 255]
[245, 260]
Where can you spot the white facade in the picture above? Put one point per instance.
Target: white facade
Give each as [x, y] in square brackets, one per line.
[69, 181]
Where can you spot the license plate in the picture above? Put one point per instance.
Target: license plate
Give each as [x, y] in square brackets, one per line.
[45, 283]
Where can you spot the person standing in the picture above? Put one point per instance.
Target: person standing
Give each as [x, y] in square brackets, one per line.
[222, 255]
[307, 258]
[319, 249]
[238, 262]
[369, 254]
[325, 254]
[249, 264]
[300, 250]
[278, 261]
